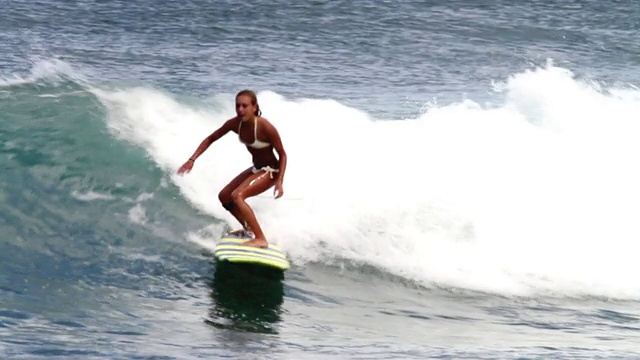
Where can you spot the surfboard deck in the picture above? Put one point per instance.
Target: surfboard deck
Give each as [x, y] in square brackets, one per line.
[230, 250]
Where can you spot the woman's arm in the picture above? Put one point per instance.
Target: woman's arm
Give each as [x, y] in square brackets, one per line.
[276, 142]
[204, 145]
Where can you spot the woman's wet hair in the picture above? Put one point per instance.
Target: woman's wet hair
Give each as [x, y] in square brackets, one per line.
[254, 99]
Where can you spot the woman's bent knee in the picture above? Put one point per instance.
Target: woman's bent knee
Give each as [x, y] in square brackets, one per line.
[225, 198]
[237, 196]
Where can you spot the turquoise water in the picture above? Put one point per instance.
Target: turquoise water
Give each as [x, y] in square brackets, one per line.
[460, 183]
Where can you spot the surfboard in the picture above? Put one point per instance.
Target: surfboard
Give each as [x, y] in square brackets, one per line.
[229, 249]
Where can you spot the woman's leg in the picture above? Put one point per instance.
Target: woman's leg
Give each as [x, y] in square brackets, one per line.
[253, 185]
[227, 200]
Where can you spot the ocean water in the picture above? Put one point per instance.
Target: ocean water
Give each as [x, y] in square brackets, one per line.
[462, 179]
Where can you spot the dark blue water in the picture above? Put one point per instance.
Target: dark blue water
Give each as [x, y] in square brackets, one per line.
[461, 179]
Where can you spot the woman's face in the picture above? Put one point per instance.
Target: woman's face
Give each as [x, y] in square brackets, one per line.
[244, 108]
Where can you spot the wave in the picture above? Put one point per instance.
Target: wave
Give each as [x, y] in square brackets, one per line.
[535, 196]
[50, 70]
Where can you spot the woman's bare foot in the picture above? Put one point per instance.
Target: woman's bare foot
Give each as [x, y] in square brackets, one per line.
[259, 243]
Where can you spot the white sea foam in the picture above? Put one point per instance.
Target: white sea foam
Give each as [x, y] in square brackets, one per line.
[91, 196]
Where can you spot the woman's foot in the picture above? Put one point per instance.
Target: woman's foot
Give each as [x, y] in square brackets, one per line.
[259, 243]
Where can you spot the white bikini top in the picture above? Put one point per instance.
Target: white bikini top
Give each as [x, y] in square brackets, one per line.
[257, 144]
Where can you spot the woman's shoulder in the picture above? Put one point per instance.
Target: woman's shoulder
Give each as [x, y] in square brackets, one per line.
[232, 123]
[264, 121]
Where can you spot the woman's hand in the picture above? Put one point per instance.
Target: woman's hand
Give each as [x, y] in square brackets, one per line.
[186, 167]
[278, 192]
